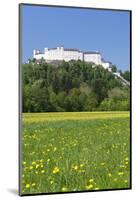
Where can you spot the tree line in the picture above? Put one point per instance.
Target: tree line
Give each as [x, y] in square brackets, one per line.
[71, 86]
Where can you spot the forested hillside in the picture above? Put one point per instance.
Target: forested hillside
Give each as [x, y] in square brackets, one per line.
[71, 86]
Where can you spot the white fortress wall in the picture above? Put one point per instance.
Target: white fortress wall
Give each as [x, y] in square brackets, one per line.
[81, 56]
[61, 53]
[105, 65]
[70, 55]
[38, 55]
[54, 54]
[99, 59]
[93, 57]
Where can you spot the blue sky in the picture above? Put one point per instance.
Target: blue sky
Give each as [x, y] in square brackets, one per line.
[85, 29]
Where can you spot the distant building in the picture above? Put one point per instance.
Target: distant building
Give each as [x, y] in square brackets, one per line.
[61, 53]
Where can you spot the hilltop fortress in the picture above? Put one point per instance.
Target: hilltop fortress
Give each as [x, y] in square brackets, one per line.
[61, 53]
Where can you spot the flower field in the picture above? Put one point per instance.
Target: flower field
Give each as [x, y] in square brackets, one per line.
[75, 151]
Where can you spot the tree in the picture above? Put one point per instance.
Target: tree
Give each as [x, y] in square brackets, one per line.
[126, 75]
[90, 102]
[116, 93]
[100, 89]
[72, 86]
[114, 68]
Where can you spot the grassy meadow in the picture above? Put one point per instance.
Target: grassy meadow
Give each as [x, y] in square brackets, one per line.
[75, 151]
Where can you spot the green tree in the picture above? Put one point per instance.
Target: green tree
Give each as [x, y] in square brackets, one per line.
[114, 68]
[126, 75]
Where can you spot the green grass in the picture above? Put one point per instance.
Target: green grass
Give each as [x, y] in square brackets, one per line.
[75, 151]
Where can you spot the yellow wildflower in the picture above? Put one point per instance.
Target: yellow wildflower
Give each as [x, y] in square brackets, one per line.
[75, 167]
[89, 186]
[120, 173]
[64, 189]
[33, 184]
[42, 171]
[33, 163]
[37, 166]
[51, 182]
[96, 188]
[122, 166]
[81, 165]
[56, 170]
[102, 163]
[91, 180]
[126, 158]
[55, 149]
[31, 167]
[109, 174]
[27, 186]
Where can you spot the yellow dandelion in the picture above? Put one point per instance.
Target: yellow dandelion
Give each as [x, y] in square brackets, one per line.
[54, 149]
[48, 160]
[122, 166]
[89, 186]
[42, 171]
[96, 188]
[102, 163]
[37, 166]
[81, 165]
[42, 166]
[75, 167]
[91, 180]
[36, 172]
[120, 173]
[41, 160]
[126, 158]
[31, 167]
[109, 174]
[126, 163]
[33, 184]
[56, 170]
[64, 189]
[27, 186]
[51, 182]
[24, 163]
[33, 163]
[23, 175]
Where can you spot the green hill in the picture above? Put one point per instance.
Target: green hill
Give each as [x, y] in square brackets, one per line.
[71, 86]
